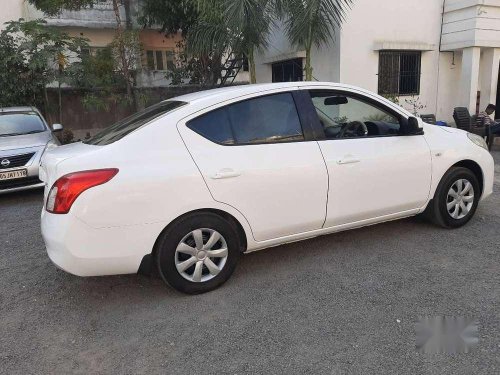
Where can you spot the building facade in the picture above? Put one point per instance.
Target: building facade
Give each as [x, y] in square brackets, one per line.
[444, 53]
[98, 24]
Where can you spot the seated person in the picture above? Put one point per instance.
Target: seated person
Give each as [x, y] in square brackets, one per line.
[487, 120]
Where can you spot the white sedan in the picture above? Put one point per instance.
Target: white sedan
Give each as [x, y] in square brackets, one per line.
[190, 184]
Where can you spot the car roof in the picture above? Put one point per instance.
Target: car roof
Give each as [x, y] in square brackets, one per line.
[238, 90]
[17, 109]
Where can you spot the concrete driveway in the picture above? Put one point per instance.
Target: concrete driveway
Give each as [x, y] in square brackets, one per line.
[339, 304]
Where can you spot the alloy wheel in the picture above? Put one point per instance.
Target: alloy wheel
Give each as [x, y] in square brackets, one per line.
[201, 255]
[460, 199]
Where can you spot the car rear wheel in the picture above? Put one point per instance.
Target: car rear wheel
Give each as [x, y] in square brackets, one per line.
[456, 198]
[198, 253]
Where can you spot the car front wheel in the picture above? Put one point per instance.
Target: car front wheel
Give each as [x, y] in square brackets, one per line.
[456, 198]
[198, 253]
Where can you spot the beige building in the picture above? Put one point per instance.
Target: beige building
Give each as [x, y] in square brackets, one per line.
[98, 24]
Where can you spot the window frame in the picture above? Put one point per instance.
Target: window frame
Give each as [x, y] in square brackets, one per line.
[299, 101]
[399, 54]
[295, 65]
[165, 53]
[318, 128]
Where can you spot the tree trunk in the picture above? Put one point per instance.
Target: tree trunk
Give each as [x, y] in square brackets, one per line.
[308, 68]
[59, 94]
[129, 26]
[48, 115]
[128, 17]
[123, 55]
[251, 65]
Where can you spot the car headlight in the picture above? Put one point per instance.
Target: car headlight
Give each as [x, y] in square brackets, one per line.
[478, 140]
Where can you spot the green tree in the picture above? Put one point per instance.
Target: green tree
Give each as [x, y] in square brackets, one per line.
[125, 42]
[171, 16]
[33, 56]
[53, 7]
[97, 74]
[232, 27]
[311, 22]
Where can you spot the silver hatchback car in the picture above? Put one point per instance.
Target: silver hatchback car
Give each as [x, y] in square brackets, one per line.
[24, 137]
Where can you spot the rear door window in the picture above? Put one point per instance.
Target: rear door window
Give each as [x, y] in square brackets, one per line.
[267, 119]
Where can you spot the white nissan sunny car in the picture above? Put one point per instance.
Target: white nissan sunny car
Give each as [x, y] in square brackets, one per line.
[191, 183]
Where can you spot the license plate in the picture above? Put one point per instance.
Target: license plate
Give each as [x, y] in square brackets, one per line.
[12, 175]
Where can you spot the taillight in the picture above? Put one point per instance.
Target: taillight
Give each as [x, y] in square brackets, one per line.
[65, 190]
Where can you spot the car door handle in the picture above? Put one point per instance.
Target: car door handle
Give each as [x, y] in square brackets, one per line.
[348, 160]
[226, 173]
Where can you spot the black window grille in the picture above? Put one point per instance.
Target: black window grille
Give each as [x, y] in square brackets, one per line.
[288, 71]
[399, 72]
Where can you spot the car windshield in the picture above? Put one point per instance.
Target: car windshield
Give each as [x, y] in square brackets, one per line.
[128, 125]
[19, 123]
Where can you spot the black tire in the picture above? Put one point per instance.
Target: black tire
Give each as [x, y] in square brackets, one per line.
[437, 210]
[170, 239]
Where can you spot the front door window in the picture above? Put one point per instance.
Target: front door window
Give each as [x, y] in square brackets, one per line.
[346, 116]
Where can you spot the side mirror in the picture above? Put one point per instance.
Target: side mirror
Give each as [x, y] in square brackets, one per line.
[412, 127]
[57, 127]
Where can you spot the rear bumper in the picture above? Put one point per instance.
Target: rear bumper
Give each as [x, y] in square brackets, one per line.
[81, 250]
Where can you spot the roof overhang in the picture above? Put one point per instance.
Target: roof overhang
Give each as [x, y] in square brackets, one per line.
[284, 56]
[403, 46]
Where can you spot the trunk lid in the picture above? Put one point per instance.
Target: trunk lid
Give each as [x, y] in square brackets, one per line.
[52, 159]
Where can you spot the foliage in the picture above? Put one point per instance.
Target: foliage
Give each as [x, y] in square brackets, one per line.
[250, 21]
[393, 98]
[126, 49]
[100, 75]
[415, 105]
[96, 73]
[171, 16]
[18, 86]
[66, 136]
[230, 28]
[125, 44]
[53, 7]
[187, 69]
[311, 22]
[33, 56]
[224, 28]
[96, 70]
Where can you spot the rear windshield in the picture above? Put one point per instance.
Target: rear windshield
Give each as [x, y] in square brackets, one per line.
[19, 123]
[126, 126]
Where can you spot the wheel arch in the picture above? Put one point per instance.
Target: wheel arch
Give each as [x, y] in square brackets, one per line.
[474, 168]
[148, 260]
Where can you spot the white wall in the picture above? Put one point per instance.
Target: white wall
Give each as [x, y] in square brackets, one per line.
[12, 10]
[373, 25]
[469, 23]
[391, 23]
[325, 60]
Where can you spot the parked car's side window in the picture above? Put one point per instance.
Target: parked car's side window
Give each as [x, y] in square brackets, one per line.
[267, 119]
[348, 116]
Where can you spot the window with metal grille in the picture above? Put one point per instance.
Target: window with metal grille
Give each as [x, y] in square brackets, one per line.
[288, 71]
[399, 72]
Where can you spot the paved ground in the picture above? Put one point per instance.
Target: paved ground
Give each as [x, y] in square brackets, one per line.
[343, 303]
